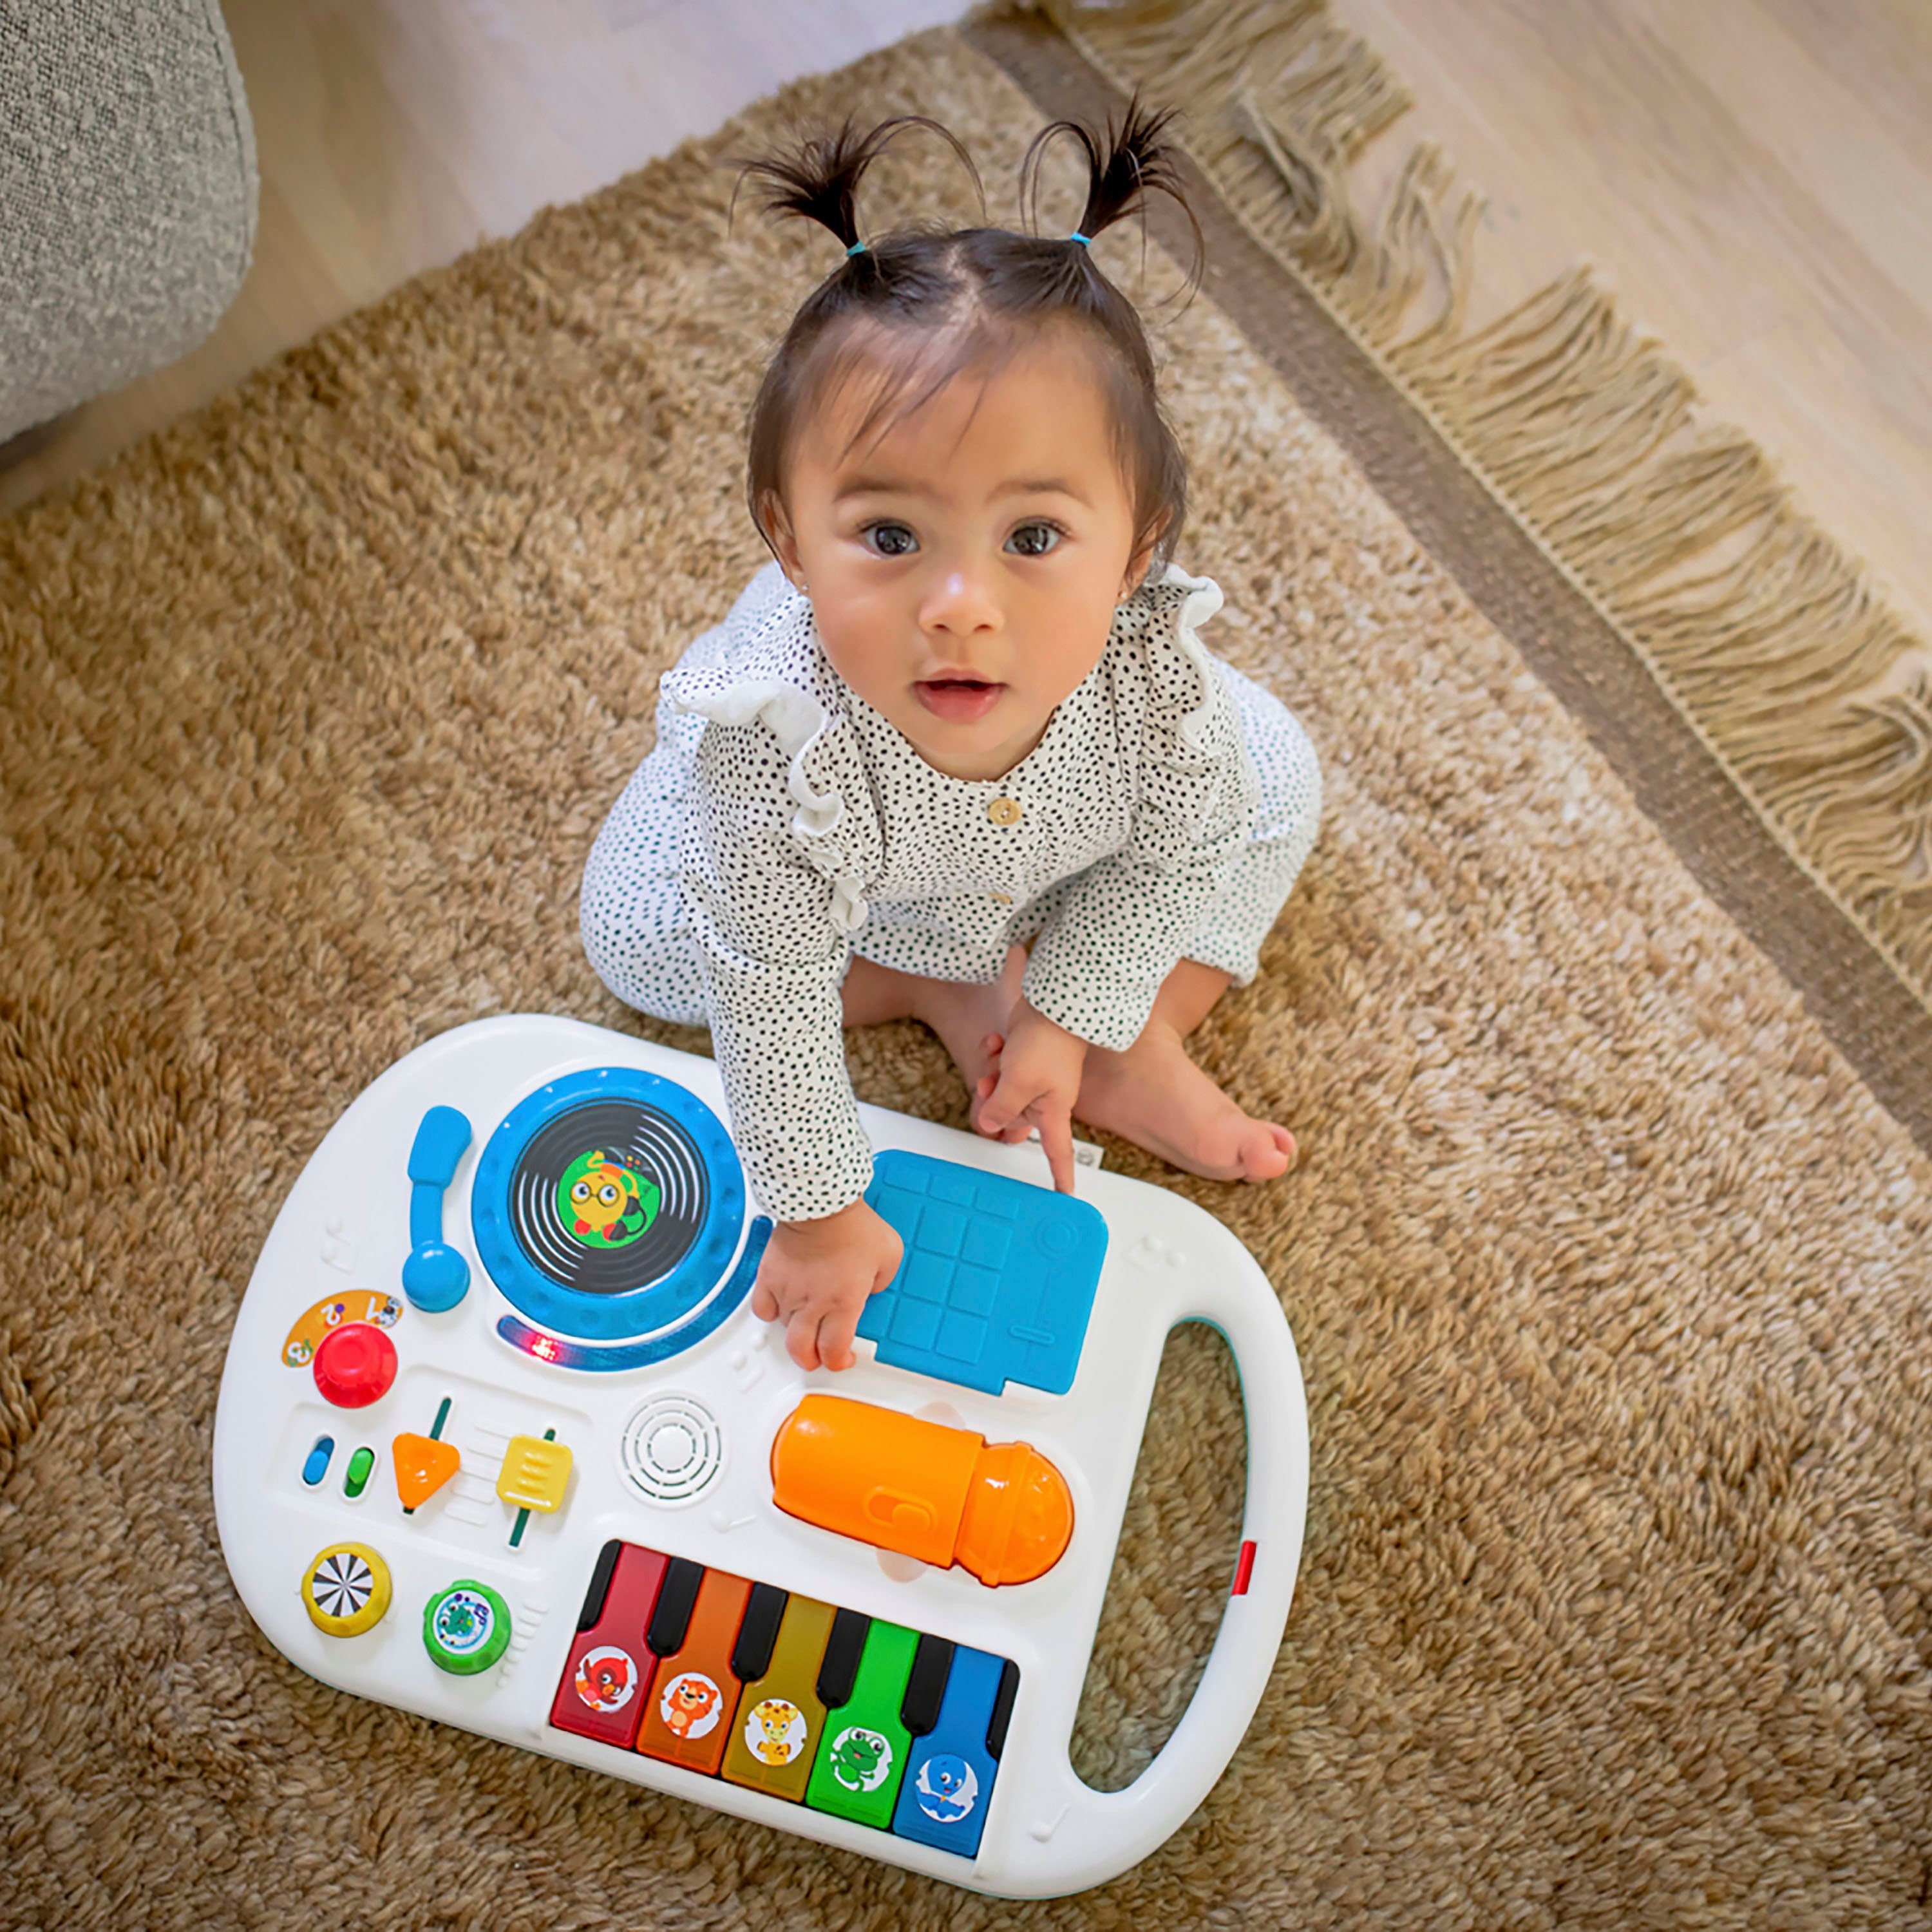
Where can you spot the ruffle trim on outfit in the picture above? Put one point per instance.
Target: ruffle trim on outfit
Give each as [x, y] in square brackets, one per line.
[763, 687]
[797, 720]
[1194, 725]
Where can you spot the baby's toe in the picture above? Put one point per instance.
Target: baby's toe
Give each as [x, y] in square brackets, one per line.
[1267, 1150]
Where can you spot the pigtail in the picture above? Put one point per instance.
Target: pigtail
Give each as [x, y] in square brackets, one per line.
[1125, 166]
[820, 178]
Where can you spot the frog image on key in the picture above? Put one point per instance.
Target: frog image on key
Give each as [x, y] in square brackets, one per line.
[605, 1204]
[861, 1760]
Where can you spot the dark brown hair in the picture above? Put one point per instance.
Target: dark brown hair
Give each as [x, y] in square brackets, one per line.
[931, 302]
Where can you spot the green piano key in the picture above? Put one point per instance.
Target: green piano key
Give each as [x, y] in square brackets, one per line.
[863, 1757]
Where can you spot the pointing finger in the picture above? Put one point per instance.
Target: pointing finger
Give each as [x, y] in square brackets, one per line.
[1056, 1135]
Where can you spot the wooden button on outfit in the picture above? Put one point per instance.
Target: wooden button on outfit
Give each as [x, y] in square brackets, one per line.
[1004, 812]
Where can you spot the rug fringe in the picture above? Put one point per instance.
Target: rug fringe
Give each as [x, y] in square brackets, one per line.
[1768, 640]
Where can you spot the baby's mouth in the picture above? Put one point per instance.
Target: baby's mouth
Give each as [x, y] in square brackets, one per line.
[959, 700]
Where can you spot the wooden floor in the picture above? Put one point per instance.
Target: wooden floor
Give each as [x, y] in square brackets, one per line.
[1754, 177]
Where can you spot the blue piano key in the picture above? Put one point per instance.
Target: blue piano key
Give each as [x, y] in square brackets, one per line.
[949, 1771]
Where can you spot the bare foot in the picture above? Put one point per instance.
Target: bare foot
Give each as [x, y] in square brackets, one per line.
[969, 1018]
[1155, 1096]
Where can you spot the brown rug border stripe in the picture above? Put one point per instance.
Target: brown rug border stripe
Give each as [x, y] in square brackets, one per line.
[1854, 995]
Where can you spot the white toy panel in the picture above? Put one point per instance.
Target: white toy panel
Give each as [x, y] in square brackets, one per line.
[649, 1424]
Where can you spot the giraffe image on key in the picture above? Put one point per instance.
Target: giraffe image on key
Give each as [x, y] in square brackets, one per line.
[775, 1731]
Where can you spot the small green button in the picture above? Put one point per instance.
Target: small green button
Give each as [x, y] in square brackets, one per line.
[465, 1627]
[360, 1464]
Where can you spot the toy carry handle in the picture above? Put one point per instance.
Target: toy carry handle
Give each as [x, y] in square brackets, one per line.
[1082, 1837]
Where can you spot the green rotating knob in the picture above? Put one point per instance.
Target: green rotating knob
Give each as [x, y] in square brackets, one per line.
[465, 1627]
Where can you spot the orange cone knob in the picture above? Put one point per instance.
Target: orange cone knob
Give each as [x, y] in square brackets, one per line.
[944, 1495]
[422, 1465]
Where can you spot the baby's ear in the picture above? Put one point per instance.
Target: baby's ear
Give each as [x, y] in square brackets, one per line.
[776, 528]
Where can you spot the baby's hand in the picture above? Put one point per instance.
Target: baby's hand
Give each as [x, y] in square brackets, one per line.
[815, 1276]
[1035, 1081]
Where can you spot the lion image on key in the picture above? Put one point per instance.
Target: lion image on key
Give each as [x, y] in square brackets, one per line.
[689, 1706]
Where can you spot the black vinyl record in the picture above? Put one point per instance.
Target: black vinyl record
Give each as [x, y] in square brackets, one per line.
[608, 1197]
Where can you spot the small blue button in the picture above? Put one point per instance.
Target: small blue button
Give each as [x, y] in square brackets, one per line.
[316, 1467]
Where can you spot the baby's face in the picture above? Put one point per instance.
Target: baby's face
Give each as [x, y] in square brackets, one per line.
[964, 570]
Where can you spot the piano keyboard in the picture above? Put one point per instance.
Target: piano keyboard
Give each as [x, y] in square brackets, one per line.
[843, 1713]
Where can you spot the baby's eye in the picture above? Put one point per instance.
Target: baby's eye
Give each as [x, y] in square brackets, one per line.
[1052, 530]
[900, 528]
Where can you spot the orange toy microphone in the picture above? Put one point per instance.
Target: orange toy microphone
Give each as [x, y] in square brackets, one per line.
[944, 1495]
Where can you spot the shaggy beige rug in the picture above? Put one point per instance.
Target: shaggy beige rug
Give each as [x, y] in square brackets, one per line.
[1607, 1263]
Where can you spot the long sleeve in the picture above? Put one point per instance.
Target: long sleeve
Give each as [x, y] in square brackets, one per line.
[1125, 923]
[773, 954]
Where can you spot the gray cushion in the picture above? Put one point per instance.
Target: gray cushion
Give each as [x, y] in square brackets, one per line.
[128, 194]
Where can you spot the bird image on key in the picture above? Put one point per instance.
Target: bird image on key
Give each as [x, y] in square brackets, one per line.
[947, 1788]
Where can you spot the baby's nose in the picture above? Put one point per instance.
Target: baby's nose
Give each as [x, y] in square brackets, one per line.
[961, 600]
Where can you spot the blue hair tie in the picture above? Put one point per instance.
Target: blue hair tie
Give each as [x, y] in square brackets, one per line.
[854, 250]
[1077, 236]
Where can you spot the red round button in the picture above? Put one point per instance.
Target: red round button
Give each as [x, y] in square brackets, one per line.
[355, 1365]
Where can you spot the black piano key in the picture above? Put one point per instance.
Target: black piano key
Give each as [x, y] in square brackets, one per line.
[840, 1670]
[676, 1596]
[1003, 1708]
[600, 1584]
[931, 1665]
[751, 1655]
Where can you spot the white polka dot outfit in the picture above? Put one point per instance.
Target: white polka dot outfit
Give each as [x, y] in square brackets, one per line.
[782, 823]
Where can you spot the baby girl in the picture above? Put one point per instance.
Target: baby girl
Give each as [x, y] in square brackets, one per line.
[958, 755]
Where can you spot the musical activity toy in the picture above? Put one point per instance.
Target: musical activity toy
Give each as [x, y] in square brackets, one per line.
[499, 1441]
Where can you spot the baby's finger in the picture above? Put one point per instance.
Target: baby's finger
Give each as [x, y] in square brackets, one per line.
[764, 1303]
[835, 1338]
[1056, 1135]
[997, 1111]
[802, 1338]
